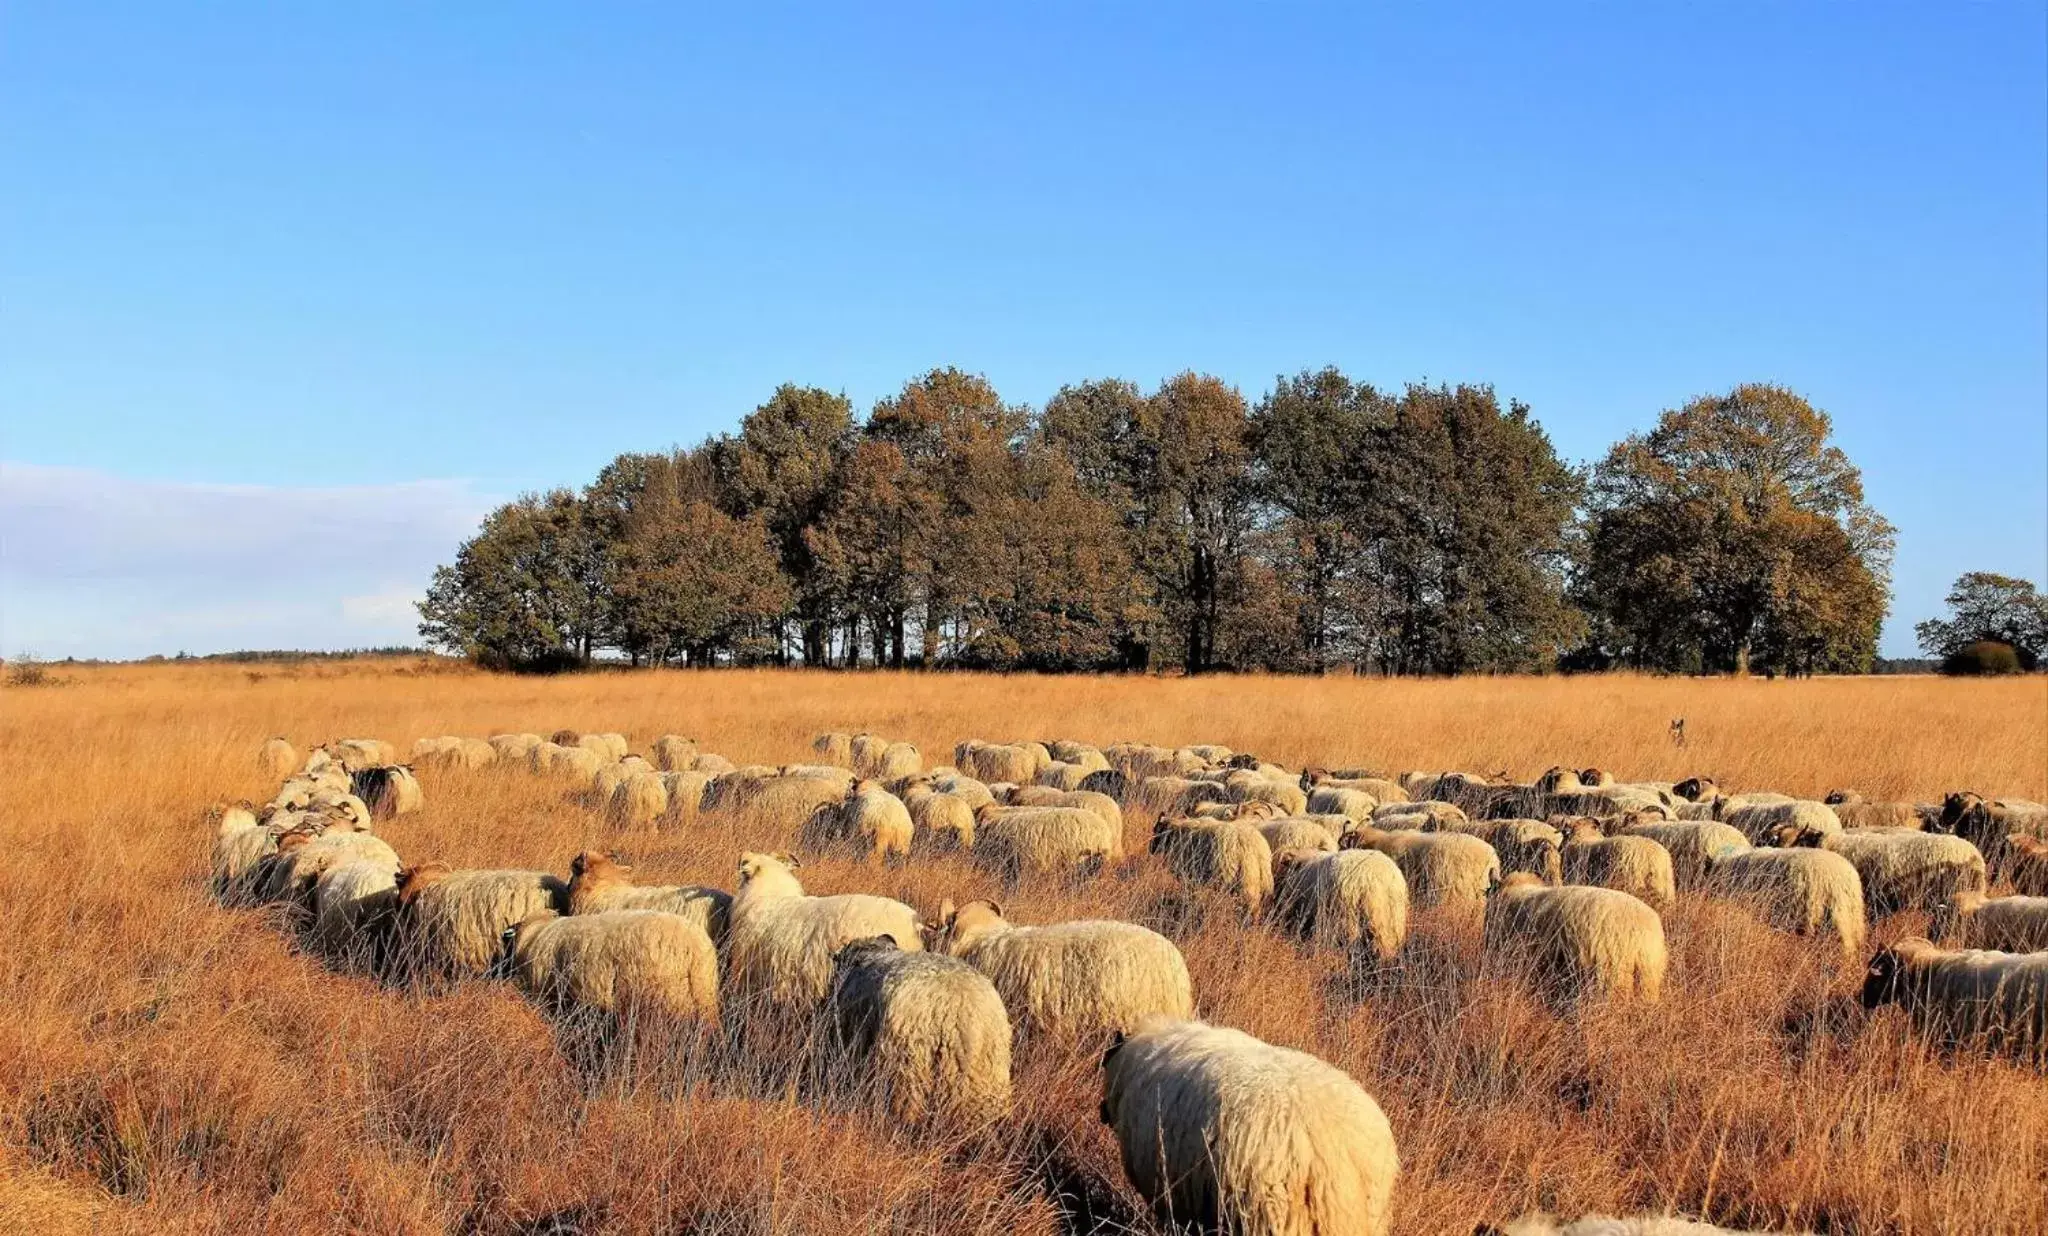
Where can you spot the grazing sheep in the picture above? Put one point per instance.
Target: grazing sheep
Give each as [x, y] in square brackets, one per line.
[1355, 805]
[712, 764]
[288, 875]
[577, 765]
[598, 882]
[1902, 868]
[1596, 778]
[1632, 864]
[943, 821]
[1088, 800]
[1761, 822]
[922, 1035]
[780, 943]
[898, 759]
[1692, 844]
[869, 818]
[1249, 812]
[356, 754]
[685, 797]
[2008, 924]
[1854, 811]
[2027, 863]
[1804, 891]
[1219, 1129]
[977, 793]
[866, 749]
[1428, 816]
[239, 843]
[630, 963]
[514, 746]
[1172, 795]
[276, 758]
[1966, 996]
[1441, 868]
[452, 923]
[779, 802]
[674, 753]
[1380, 788]
[988, 762]
[1063, 776]
[1697, 789]
[1559, 780]
[1300, 833]
[541, 757]
[430, 750]
[1225, 855]
[352, 906]
[1069, 979]
[1349, 899]
[638, 799]
[1251, 787]
[1581, 940]
[1521, 845]
[1992, 825]
[615, 745]
[1019, 841]
[834, 748]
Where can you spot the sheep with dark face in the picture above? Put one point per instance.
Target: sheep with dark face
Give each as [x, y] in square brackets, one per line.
[2009, 924]
[1966, 996]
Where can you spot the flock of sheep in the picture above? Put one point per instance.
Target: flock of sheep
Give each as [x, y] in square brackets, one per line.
[1570, 873]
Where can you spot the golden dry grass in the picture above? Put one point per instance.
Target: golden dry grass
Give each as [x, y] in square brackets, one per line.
[169, 1065]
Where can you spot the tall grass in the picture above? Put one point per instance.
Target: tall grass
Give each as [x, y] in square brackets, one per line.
[169, 1065]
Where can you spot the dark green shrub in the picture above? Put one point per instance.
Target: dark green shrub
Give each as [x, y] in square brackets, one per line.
[1984, 656]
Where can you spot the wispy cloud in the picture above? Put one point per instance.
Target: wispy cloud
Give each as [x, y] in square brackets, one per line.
[93, 564]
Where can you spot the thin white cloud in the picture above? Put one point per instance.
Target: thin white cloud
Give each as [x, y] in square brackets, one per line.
[93, 564]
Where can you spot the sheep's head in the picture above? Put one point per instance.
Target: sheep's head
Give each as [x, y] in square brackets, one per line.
[593, 866]
[1693, 789]
[1595, 777]
[1789, 835]
[1513, 880]
[412, 881]
[754, 864]
[1287, 861]
[1883, 982]
[1962, 808]
[1312, 777]
[1843, 798]
[1256, 809]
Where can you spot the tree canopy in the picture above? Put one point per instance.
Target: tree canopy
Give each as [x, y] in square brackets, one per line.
[1984, 606]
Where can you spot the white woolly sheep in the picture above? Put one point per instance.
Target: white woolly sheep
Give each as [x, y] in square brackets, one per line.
[1172, 795]
[1225, 855]
[1018, 763]
[629, 963]
[1761, 822]
[1355, 805]
[1349, 899]
[1301, 833]
[1521, 845]
[1247, 786]
[834, 748]
[1441, 868]
[1019, 841]
[452, 923]
[1579, 940]
[1219, 1129]
[780, 943]
[514, 746]
[1632, 864]
[1060, 775]
[1966, 996]
[1803, 891]
[1692, 844]
[1428, 816]
[1992, 825]
[289, 874]
[869, 819]
[780, 802]
[1088, 800]
[598, 883]
[352, 906]
[685, 797]
[276, 758]
[674, 753]
[940, 821]
[921, 1035]
[640, 798]
[2027, 864]
[2016, 924]
[1069, 979]
[1902, 868]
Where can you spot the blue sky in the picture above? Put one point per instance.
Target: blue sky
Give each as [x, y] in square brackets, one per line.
[272, 273]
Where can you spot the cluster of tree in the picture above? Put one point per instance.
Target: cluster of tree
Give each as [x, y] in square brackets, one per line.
[1431, 530]
[1996, 624]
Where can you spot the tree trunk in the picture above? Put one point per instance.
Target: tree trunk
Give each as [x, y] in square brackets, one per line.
[896, 639]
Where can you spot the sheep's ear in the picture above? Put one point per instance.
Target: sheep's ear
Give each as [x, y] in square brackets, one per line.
[996, 908]
[787, 859]
[946, 911]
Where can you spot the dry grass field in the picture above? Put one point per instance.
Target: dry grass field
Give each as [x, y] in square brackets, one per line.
[167, 1065]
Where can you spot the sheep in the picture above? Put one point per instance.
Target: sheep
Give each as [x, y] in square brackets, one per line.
[1855, 811]
[1221, 854]
[780, 943]
[1045, 796]
[1598, 778]
[685, 792]
[541, 757]
[639, 798]
[1220, 1129]
[1581, 940]
[1697, 789]
[1760, 822]
[276, 758]
[352, 905]
[712, 764]
[578, 765]
[1355, 805]
[239, 843]
[1380, 788]
[289, 874]
[1901, 868]
[629, 963]
[1247, 786]
[1065, 980]
[922, 1035]
[2027, 863]
[1350, 899]
[1992, 825]
[942, 821]
[452, 922]
[1299, 832]
[2008, 924]
[1019, 841]
[1430, 816]
[977, 793]
[615, 745]
[1170, 795]
[1069, 751]
[598, 883]
[1138, 762]
[1249, 812]
[1063, 776]
[1692, 844]
[356, 754]
[1521, 845]
[869, 818]
[865, 749]
[1210, 752]
[1539, 1224]
[1971, 995]
[992, 762]
[1803, 891]
[430, 750]
[1441, 868]
[1633, 864]
[1559, 780]
[674, 753]
[781, 802]
[834, 748]
[514, 746]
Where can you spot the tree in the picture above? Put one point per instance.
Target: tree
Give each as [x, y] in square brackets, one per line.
[1735, 535]
[1190, 485]
[1098, 425]
[780, 468]
[528, 590]
[692, 582]
[871, 543]
[1987, 606]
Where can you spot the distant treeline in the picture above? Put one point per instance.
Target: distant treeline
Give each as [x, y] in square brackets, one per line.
[1431, 530]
